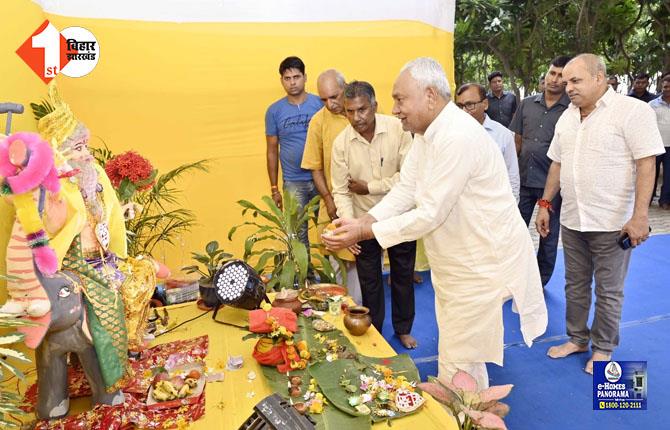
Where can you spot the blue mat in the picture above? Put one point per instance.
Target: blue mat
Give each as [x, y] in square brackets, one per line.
[557, 394]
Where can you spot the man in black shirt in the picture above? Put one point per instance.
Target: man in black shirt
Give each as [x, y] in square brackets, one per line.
[639, 90]
[502, 104]
[533, 125]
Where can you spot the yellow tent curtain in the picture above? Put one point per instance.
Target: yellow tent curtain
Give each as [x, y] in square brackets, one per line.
[181, 91]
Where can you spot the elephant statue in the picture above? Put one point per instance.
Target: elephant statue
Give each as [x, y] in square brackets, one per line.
[66, 334]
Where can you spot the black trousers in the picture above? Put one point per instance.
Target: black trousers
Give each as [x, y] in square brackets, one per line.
[369, 268]
[546, 252]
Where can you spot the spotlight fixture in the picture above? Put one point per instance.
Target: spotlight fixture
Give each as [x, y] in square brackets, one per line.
[238, 285]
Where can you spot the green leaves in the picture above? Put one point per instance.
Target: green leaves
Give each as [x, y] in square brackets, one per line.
[212, 259]
[10, 402]
[331, 376]
[521, 38]
[281, 253]
[274, 242]
[212, 247]
[161, 218]
[9, 407]
[332, 418]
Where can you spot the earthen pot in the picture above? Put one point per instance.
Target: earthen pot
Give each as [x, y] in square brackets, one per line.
[357, 320]
[288, 299]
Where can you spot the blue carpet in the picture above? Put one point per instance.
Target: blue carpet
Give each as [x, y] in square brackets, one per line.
[557, 394]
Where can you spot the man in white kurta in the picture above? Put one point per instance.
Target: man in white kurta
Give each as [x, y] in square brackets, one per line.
[455, 194]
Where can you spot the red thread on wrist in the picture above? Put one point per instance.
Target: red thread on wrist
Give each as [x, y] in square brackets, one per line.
[544, 203]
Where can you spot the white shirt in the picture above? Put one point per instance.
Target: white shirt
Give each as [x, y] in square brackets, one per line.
[504, 138]
[662, 109]
[597, 159]
[455, 194]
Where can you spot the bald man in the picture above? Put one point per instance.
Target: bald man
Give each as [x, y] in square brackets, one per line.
[603, 157]
[324, 127]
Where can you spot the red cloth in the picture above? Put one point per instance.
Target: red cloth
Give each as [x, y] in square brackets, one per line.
[277, 356]
[285, 317]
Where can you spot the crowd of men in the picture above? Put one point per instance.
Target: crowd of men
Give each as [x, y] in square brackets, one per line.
[465, 175]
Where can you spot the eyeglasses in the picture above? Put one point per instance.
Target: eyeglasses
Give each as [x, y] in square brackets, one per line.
[469, 105]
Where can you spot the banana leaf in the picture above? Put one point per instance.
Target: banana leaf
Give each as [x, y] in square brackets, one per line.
[328, 375]
[332, 417]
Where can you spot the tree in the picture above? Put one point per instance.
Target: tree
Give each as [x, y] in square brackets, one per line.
[520, 38]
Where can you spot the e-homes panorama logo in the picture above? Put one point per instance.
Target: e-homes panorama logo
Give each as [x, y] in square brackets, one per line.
[73, 52]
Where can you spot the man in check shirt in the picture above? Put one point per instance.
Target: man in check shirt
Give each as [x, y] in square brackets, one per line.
[604, 151]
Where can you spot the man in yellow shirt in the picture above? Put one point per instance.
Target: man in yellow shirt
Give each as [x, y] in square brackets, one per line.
[324, 127]
[365, 165]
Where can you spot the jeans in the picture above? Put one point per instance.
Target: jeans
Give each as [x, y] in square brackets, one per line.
[546, 252]
[304, 191]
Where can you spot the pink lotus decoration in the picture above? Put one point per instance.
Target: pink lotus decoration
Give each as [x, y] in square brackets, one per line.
[472, 408]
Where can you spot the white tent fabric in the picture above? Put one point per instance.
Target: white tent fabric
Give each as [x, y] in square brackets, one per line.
[437, 13]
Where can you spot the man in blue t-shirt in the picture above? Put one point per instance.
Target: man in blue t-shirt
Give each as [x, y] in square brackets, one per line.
[286, 122]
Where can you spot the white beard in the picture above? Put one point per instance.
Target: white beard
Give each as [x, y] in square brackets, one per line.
[88, 183]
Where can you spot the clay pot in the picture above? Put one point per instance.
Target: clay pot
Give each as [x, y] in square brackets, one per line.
[357, 320]
[288, 299]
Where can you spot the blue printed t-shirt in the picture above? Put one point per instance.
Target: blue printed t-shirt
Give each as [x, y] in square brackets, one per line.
[289, 123]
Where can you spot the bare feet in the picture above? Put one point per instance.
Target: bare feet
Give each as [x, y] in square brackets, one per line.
[597, 356]
[563, 350]
[407, 341]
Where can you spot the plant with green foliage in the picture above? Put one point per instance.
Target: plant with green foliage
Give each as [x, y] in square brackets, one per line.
[212, 260]
[9, 400]
[161, 218]
[275, 244]
[472, 407]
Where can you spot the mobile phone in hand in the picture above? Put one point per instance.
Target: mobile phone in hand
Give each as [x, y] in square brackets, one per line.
[624, 241]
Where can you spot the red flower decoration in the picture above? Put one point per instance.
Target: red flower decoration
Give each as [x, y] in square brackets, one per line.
[133, 167]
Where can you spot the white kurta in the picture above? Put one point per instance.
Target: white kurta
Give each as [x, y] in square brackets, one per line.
[455, 194]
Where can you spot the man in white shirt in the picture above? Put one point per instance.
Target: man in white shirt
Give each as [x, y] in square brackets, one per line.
[454, 192]
[365, 165]
[472, 99]
[661, 105]
[603, 155]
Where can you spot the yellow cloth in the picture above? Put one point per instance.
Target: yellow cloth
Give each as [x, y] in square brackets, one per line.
[230, 402]
[377, 163]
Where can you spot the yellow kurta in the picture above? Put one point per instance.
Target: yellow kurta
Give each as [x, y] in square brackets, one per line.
[323, 129]
[454, 192]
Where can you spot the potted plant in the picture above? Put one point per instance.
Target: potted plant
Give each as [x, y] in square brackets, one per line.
[275, 246]
[213, 258]
[471, 407]
[151, 199]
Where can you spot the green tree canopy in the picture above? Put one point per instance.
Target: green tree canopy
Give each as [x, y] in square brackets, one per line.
[520, 38]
